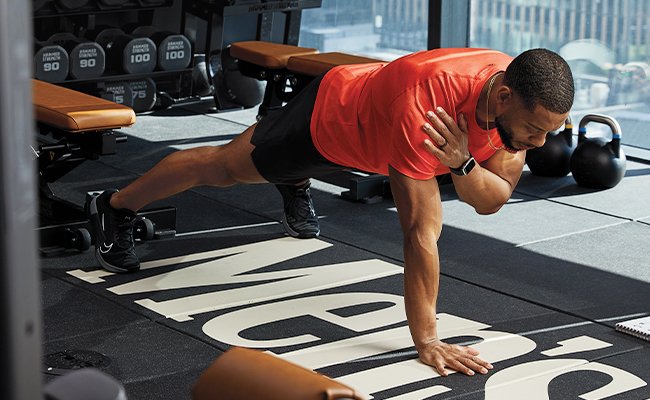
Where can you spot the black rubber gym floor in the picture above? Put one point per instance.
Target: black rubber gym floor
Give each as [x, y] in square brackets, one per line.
[537, 288]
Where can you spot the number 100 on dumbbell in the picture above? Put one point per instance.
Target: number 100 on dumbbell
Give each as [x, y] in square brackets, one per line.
[126, 53]
[174, 50]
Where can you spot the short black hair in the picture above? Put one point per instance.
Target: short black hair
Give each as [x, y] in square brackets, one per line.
[541, 76]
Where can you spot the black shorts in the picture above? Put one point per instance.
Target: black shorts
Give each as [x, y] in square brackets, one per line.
[284, 151]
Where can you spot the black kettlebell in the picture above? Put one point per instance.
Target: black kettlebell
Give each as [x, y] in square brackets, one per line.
[553, 158]
[597, 163]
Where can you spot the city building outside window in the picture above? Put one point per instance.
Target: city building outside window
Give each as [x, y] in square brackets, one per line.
[606, 42]
[383, 29]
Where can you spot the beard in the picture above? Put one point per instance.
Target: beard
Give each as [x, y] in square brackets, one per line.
[505, 136]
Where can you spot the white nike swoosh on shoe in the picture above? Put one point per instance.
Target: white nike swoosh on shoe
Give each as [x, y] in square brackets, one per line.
[104, 248]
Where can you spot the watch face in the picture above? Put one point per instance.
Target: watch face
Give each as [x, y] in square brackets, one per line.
[465, 168]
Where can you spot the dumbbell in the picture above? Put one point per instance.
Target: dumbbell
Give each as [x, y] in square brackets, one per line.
[38, 4]
[144, 94]
[117, 92]
[87, 59]
[110, 3]
[201, 77]
[174, 50]
[51, 62]
[125, 53]
[151, 3]
[70, 5]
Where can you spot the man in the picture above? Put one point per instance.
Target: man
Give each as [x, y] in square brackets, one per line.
[473, 112]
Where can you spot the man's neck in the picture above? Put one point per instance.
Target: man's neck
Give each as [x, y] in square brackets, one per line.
[484, 116]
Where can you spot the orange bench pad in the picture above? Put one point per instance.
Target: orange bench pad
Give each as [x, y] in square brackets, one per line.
[74, 111]
[316, 64]
[266, 54]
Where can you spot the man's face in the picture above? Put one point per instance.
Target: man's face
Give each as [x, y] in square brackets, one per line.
[521, 129]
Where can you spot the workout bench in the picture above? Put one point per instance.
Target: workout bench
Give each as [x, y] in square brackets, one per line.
[285, 67]
[246, 374]
[286, 70]
[74, 127]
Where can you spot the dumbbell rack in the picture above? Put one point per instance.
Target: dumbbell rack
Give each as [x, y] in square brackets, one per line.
[51, 17]
[219, 23]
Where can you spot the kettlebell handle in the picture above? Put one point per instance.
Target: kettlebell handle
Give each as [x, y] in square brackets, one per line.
[603, 119]
[567, 133]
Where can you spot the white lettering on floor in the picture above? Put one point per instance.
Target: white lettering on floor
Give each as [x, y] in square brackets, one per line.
[236, 265]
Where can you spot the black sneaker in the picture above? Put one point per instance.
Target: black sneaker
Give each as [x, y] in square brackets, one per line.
[113, 230]
[300, 219]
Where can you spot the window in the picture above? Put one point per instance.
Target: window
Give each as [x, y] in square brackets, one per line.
[383, 29]
[606, 42]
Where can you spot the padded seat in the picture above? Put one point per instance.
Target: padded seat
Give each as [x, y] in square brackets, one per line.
[316, 64]
[284, 66]
[245, 374]
[72, 111]
[266, 54]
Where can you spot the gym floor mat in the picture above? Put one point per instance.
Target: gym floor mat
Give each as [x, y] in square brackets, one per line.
[69, 310]
[143, 352]
[628, 199]
[538, 287]
[339, 310]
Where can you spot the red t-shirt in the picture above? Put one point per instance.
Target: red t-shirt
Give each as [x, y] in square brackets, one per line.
[368, 116]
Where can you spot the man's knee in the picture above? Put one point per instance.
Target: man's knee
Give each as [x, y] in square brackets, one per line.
[210, 166]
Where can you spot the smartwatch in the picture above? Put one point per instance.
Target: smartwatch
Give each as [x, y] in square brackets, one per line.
[465, 168]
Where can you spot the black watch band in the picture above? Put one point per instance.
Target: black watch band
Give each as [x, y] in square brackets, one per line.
[465, 168]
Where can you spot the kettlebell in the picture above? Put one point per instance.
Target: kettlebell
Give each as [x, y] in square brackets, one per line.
[597, 163]
[553, 158]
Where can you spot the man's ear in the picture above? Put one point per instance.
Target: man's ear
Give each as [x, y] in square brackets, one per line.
[504, 95]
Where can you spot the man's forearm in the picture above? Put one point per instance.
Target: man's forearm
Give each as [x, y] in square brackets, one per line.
[483, 190]
[421, 281]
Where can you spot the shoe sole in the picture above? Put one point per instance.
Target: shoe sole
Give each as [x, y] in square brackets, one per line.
[298, 235]
[95, 224]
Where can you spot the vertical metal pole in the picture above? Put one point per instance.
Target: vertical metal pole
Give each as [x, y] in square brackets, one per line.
[292, 27]
[20, 330]
[448, 23]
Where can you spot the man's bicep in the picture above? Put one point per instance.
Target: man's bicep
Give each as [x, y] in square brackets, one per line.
[506, 165]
